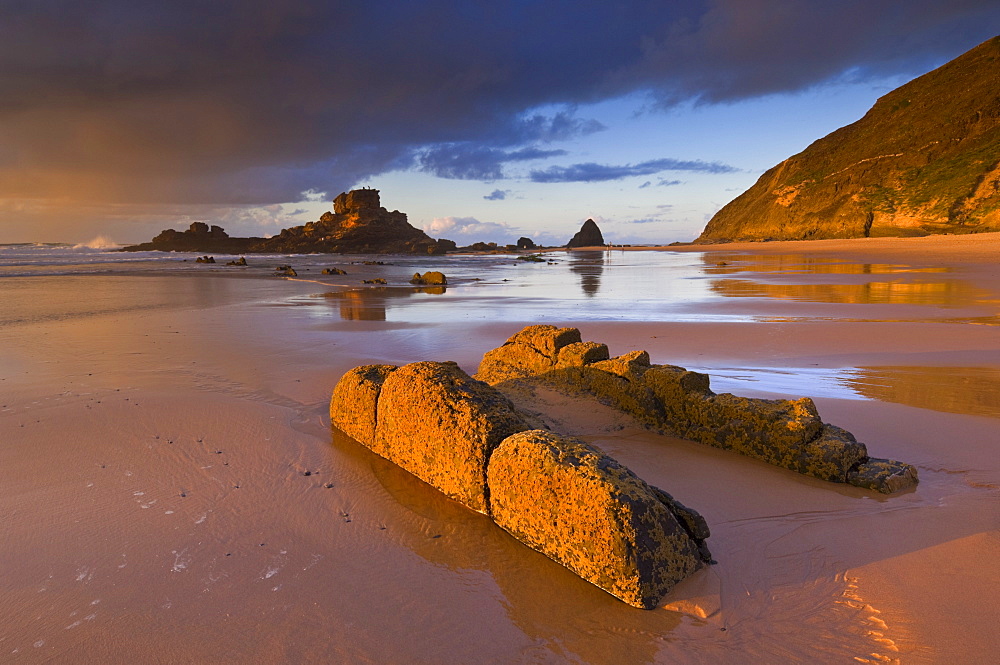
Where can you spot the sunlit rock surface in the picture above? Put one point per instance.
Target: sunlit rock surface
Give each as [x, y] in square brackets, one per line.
[555, 494]
[430, 418]
[786, 433]
[583, 509]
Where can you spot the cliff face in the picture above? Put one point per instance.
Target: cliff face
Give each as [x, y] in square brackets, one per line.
[358, 225]
[925, 159]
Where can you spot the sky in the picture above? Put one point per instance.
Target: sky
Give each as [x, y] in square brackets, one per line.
[483, 121]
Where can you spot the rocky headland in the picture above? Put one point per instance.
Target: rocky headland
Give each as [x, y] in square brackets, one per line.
[924, 160]
[357, 225]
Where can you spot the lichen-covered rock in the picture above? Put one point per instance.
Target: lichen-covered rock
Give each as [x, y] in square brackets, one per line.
[591, 514]
[441, 425]
[786, 433]
[579, 354]
[354, 404]
[530, 352]
[883, 475]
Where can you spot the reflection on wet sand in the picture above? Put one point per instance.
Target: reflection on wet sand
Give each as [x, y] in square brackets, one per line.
[371, 304]
[445, 533]
[855, 287]
[954, 293]
[727, 264]
[965, 390]
[589, 266]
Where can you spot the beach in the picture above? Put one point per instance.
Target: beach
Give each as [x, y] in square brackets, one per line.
[172, 490]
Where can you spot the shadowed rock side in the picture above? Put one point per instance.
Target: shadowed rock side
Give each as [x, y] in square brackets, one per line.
[557, 495]
[583, 509]
[786, 433]
[923, 160]
[589, 235]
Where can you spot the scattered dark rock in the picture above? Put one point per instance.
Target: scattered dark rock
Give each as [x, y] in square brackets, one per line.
[242, 261]
[334, 271]
[205, 259]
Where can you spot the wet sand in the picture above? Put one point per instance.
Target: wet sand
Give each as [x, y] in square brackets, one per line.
[172, 492]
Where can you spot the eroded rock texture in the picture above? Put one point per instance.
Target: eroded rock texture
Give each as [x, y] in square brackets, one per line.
[786, 433]
[583, 509]
[430, 418]
[556, 494]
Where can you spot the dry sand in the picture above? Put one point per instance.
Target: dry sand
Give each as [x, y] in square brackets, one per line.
[171, 491]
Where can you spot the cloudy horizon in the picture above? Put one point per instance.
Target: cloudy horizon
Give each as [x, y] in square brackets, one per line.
[122, 118]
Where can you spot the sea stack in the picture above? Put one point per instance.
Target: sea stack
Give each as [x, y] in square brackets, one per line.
[589, 235]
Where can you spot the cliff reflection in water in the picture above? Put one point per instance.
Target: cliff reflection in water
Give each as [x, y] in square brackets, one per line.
[854, 288]
[371, 304]
[589, 266]
[965, 390]
[728, 264]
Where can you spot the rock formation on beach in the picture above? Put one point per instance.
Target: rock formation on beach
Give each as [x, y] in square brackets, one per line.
[924, 160]
[555, 494]
[358, 225]
[786, 433]
[577, 506]
[589, 235]
[199, 237]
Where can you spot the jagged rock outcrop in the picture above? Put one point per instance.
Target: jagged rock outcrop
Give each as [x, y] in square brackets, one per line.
[199, 237]
[525, 243]
[581, 508]
[555, 494]
[358, 225]
[589, 235]
[925, 159]
[786, 433]
[430, 418]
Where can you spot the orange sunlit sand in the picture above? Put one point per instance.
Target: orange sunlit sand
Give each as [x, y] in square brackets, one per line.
[168, 464]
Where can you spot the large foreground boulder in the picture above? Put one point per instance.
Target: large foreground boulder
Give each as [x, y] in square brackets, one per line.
[583, 509]
[786, 433]
[430, 418]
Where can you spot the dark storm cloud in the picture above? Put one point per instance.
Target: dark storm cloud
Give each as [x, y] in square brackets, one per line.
[591, 172]
[471, 161]
[252, 102]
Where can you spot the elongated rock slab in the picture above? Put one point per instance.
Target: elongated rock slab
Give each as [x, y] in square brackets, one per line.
[581, 508]
[786, 433]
